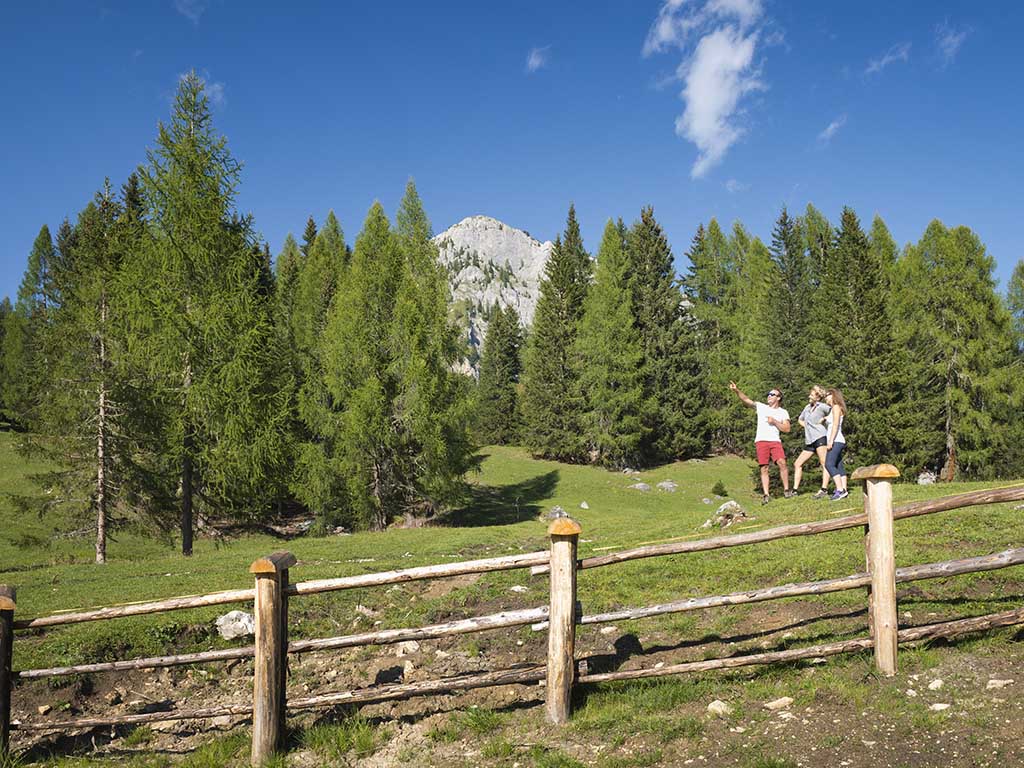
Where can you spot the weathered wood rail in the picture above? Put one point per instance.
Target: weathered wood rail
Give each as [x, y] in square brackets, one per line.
[561, 670]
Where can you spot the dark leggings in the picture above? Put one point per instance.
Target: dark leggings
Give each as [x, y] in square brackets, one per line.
[834, 460]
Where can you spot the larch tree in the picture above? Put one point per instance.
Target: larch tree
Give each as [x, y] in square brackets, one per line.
[553, 401]
[611, 354]
[203, 325]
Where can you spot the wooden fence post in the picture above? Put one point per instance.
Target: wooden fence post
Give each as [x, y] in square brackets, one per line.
[271, 663]
[565, 534]
[7, 605]
[882, 619]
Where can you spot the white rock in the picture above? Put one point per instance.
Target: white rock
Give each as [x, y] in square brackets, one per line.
[719, 708]
[778, 704]
[935, 685]
[608, 630]
[927, 478]
[939, 707]
[993, 684]
[408, 667]
[518, 588]
[236, 624]
[705, 501]
[643, 487]
[406, 647]
[441, 654]
[584, 505]
[224, 721]
[490, 263]
[911, 692]
[669, 486]
[44, 709]
[738, 729]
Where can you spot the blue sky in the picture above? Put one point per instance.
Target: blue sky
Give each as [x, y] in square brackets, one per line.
[701, 108]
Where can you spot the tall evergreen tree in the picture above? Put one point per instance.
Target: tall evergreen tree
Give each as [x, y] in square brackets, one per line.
[205, 326]
[1015, 302]
[610, 349]
[308, 237]
[790, 303]
[675, 410]
[818, 237]
[553, 402]
[497, 420]
[758, 277]
[22, 363]
[960, 332]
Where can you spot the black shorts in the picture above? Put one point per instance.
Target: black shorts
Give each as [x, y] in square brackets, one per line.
[821, 442]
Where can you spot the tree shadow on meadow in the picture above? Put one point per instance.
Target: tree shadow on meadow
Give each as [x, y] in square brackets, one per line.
[504, 504]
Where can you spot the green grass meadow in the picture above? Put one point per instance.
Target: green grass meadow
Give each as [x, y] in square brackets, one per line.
[54, 573]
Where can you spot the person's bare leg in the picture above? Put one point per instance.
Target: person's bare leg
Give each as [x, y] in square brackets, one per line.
[784, 472]
[764, 479]
[798, 468]
[824, 472]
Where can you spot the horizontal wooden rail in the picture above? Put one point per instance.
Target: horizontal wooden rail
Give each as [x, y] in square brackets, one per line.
[1004, 559]
[380, 637]
[443, 570]
[914, 509]
[536, 672]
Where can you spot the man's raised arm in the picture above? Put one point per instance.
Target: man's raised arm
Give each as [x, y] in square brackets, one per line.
[743, 398]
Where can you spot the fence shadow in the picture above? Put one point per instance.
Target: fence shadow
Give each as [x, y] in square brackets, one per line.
[504, 504]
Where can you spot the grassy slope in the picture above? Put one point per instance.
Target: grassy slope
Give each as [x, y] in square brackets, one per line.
[502, 517]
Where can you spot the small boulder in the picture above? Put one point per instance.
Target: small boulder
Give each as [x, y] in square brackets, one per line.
[518, 588]
[669, 486]
[44, 709]
[236, 624]
[407, 647]
[553, 514]
[608, 630]
[939, 707]
[935, 685]
[997, 684]
[642, 487]
[584, 505]
[719, 708]
[727, 514]
[927, 478]
[778, 704]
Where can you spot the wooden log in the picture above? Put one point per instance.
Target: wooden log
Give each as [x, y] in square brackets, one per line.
[268, 690]
[459, 627]
[530, 673]
[561, 666]
[154, 662]
[882, 566]
[8, 602]
[963, 626]
[148, 717]
[418, 573]
[993, 496]
[946, 568]
[138, 609]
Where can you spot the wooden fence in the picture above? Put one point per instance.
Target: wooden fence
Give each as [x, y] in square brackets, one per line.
[273, 590]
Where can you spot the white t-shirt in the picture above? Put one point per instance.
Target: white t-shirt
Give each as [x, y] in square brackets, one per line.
[768, 432]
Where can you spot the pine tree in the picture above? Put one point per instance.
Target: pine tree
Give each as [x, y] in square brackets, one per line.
[287, 266]
[22, 363]
[553, 403]
[308, 237]
[610, 349]
[758, 277]
[961, 334]
[204, 324]
[673, 371]
[497, 420]
[818, 237]
[1015, 302]
[790, 303]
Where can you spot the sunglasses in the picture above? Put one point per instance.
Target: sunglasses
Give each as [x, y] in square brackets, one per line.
[773, 394]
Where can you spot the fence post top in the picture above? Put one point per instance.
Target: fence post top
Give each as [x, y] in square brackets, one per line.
[564, 526]
[875, 472]
[273, 563]
[8, 597]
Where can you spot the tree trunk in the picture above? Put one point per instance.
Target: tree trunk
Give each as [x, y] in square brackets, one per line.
[101, 444]
[186, 498]
[948, 471]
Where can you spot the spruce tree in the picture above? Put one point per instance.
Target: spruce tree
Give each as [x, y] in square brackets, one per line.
[758, 277]
[553, 402]
[1015, 302]
[673, 368]
[790, 303]
[22, 363]
[610, 350]
[205, 326]
[308, 237]
[818, 237]
[497, 418]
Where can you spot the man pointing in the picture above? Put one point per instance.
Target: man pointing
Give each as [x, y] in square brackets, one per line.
[771, 418]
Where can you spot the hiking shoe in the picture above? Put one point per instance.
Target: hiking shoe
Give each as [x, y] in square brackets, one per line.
[789, 494]
[821, 494]
[839, 495]
[765, 499]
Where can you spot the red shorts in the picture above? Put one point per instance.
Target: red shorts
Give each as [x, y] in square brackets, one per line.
[769, 451]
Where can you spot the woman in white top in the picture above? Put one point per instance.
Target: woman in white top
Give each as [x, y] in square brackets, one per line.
[812, 419]
[836, 442]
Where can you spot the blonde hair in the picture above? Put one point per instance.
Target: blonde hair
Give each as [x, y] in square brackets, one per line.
[819, 390]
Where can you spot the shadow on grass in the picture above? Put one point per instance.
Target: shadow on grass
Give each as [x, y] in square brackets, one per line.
[504, 504]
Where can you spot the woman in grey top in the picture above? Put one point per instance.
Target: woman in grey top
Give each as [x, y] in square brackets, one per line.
[812, 419]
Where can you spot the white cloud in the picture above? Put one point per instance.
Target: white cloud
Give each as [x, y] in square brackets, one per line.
[898, 52]
[192, 10]
[733, 186]
[537, 59]
[832, 129]
[949, 40]
[717, 71]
